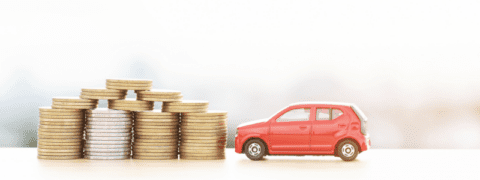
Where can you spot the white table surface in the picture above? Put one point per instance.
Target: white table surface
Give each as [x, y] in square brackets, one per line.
[22, 163]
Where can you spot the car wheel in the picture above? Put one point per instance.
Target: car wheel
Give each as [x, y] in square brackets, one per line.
[347, 150]
[255, 149]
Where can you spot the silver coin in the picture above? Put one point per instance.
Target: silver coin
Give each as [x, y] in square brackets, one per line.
[109, 123]
[109, 119]
[106, 157]
[108, 134]
[108, 138]
[108, 130]
[126, 153]
[109, 115]
[108, 146]
[107, 142]
[106, 111]
[108, 127]
[108, 150]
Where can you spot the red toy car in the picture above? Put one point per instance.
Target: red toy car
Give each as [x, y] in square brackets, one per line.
[306, 128]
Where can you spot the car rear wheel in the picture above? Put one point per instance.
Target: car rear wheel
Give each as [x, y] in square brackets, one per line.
[255, 149]
[347, 150]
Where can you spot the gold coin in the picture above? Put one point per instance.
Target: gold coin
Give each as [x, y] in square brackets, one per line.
[128, 84]
[59, 157]
[201, 154]
[73, 99]
[60, 154]
[202, 158]
[74, 107]
[174, 153]
[105, 93]
[46, 113]
[145, 141]
[58, 150]
[134, 81]
[156, 136]
[129, 101]
[68, 131]
[159, 99]
[51, 110]
[160, 96]
[141, 133]
[189, 135]
[132, 105]
[201, 148]
[184, 116]
[210, 113]
[174, 147]
[155, 112]
[202, 151]
[203, 123]
[102, 97]
[62, 120]
[204, 131]
[187, 102]
[184, 137]
[130, 108]
[156, 130]
[154, 124]
[203, 141]
[103, 90]
[136, 151]
[40, 142]
[46, 133]
[62, 103]
[60, 127]
[60, 147]
[60, 140]
[59, 137]
[63, 117]
[155, 120]
[172, 143]
[106, 111]
[184, 107]
[154, 157]
[130, 87]
[192, 145]
[62, 123]
[184, 110]
[185, 127]
[159, 92]
[146, 127]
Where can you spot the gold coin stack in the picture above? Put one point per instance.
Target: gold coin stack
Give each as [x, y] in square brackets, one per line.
[185, 106]
[60, 133]
[130, 104]
[74, 103]
[156, 135]
[159, 95]
[102, 93]
[203, 135]
[129, 84]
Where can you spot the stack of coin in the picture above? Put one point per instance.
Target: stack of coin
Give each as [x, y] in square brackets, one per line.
[108, 134]
[102, 93]
[130, 104]
[203, 135]
[74, 103]
[60, 133]
[129, 84]
[185, 106]
[159, 95]
[156, 135]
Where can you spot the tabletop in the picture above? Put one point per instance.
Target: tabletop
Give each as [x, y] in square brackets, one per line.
[372, 164]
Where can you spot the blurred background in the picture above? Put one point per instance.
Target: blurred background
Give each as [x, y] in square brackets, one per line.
[411, 66]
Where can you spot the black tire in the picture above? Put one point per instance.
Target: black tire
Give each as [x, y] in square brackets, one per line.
[347, 150]
[258, 149]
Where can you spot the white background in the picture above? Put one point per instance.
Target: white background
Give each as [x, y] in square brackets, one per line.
[411, 66]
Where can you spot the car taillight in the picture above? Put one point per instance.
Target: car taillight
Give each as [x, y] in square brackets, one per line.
[236, 133]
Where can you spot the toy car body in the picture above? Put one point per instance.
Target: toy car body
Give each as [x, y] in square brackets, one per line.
[306, 128]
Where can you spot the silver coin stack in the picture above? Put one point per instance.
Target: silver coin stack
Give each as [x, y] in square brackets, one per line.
[108, 134]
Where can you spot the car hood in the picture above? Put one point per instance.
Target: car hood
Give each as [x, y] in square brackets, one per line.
[253, 122]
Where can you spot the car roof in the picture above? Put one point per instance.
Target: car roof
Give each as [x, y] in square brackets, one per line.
[323, 103]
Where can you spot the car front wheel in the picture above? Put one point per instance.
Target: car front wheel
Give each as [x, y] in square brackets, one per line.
[347, 150]
[255, 149]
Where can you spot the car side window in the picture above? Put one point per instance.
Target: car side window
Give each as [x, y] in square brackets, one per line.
[323, 114]
[302, 114]
[336, 113]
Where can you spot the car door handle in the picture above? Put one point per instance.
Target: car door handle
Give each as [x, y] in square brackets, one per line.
[342, 125]
[303, 127]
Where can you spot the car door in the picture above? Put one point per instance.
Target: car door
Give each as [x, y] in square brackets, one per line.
[291, 130]
[327, 123]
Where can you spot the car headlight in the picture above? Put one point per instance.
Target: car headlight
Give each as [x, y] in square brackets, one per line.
[236, 133]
